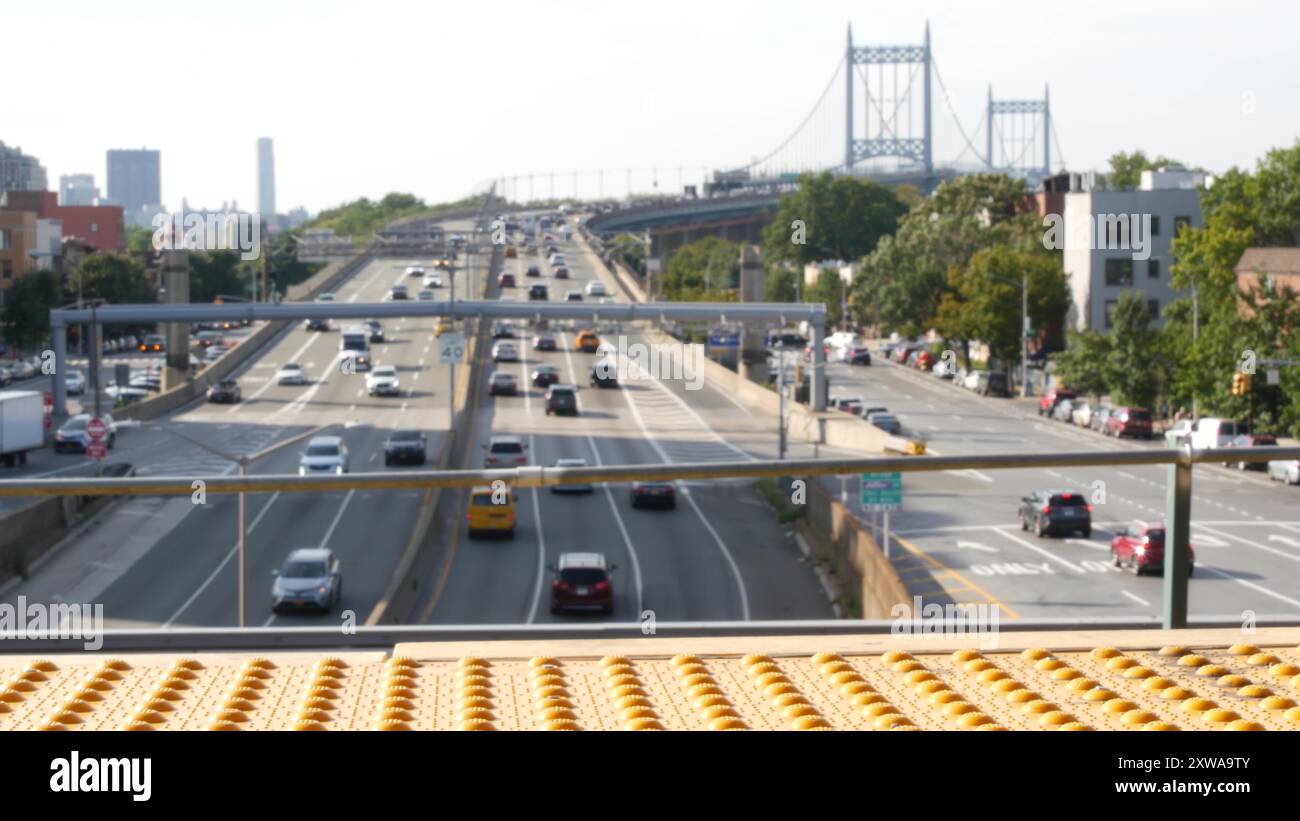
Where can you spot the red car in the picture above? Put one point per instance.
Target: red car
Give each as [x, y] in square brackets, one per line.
[506, 281]
[582, 581]
[1142, 547]
[1047, 404]
[1128, 422]
[925, 361]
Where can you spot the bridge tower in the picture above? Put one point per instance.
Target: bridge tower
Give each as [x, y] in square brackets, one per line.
[890, 137]
[1017, 123]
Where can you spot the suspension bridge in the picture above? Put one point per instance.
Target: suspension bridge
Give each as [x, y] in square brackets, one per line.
[881, 124]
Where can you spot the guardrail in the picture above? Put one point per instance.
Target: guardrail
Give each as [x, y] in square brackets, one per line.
[1178, 509]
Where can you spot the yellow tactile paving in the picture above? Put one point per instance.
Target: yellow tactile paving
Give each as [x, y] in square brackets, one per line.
[1129, 680]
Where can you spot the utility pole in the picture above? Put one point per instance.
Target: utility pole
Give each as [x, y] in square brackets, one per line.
[1024, 336]
[1196, 323]
[780, 392]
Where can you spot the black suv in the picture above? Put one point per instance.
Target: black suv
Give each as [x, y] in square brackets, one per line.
[539, 291]
[533, 271]
[993, 383]
[404, 446]
[561, 399]
[1056, 512]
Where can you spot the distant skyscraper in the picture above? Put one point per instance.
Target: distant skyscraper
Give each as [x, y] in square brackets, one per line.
[77, 189]
[135, 178]
[20, 172]
[265, 177]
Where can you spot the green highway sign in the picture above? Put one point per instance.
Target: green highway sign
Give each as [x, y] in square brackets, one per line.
[882, 491]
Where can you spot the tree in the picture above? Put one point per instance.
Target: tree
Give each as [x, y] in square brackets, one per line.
[830, 290]
[901, 284]
[632, 250]
[1126, 169]
[217, 273]
[112, 277]
[27, 307]
[1132, 363]
[984, 300]
[831, 217]
[703, 270]
[779, 284]
[1082, 366]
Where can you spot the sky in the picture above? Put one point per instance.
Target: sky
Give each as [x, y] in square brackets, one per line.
[438, 98]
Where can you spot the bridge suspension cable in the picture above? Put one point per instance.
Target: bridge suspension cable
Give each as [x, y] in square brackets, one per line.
[803, 123]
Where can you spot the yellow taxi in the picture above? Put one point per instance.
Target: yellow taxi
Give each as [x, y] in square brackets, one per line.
[588, 342]
[491, 512]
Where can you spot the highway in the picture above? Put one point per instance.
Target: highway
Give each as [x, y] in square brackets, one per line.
[961, 538]
[172, 562]
[720, 555]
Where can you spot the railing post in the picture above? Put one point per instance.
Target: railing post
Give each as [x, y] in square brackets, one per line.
[1178, 520]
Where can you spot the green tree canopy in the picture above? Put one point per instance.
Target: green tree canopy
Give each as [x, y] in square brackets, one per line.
[26, 318]
[842, 218]
[1132, 365]
[1126, 168]
[702, 270]
[112, 277]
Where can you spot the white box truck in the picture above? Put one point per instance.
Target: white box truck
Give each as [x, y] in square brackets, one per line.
[22, 425]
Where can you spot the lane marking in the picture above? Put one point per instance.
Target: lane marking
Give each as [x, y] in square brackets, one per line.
[1136, 598]
[1003, 531]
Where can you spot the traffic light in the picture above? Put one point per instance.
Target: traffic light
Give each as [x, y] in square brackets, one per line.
[1240, 384]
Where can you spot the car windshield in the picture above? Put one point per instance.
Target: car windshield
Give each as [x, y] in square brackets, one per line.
[291, 367]
[322, 450]
[1069, 500]
[507, 447]
[385, 371]
[76, 423]
[405, 436]
[584, 576]
[304, 570]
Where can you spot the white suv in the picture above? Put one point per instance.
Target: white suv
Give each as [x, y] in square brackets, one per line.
[383, 381]
[505, 451]
[324, 454]
[596, 288]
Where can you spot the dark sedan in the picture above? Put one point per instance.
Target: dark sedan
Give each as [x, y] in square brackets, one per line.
[654, 494]
[405, 446]
[226, 391]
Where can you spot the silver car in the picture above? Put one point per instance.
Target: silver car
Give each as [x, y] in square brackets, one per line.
[309, 580]
[1285, 470]
[324, 454]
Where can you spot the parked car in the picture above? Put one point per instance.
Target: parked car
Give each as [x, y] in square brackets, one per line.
[1064, 411]
[1285, 470]
[1129, 422]
[1142, 548]
[1251, 440]
[309, 579]
[993, 383]
[1054, 512]
[1100, 417]
[1082, 414]
[1047, 402]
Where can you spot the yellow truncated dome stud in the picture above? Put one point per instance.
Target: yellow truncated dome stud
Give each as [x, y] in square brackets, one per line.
[1178, 693]
[1157, 683]
[844, 677]
[1118, 705]
[755, 658]
[831, 668]
[1262, 659]
[977, 665]
[643, 724]
[1220, 715]
[1035, 653]
[965, 655]
[1101, 653]
[820, 659]
[889, 721]
[1055, 718]
[1196, 705]
[990, 676]
[973, 720]
[306, 725]
[1135, 718]
[1074, 726]
[727, 723]
[1245, 726]
[1173, 650]
[1284, 670]
[1160, 726]
[786, 699]
[1214, 670]
[1243, 649]
[1192, 660]
[943, 697]
[906, 666]
[811, 722]
[795, 710]
[1232, 680]
[894, 656]
[1120, 663]
[1293, 714]
[560, 725]
[1277, 703]
[633, 712]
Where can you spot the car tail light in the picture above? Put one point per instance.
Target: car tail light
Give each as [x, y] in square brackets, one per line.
[1047, 509]
[602, 586]
[1089, 508]
[560, 585]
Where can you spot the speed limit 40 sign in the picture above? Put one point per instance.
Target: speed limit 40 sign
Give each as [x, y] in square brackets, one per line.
[451, 348]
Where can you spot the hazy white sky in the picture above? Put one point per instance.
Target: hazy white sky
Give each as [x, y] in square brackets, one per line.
[435, 98]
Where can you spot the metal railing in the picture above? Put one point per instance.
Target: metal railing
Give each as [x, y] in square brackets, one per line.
[1178, 505]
